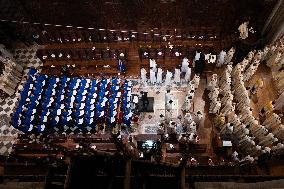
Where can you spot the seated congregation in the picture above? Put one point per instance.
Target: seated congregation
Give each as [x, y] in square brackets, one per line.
[50, 103]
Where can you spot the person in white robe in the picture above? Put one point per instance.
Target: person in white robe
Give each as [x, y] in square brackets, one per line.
[153, 79]
[7, 89]
[153, 65]
[177, 76]
[184, 65]
[187, 75]
[215, 106]
[160, 76]
[278, 131]
[197, 56]
[251, 70]
[221, 58]
[168, 79]
[196, 80]
[213, 82]
[229, 56]
[243, 29]
[278, 149]
[5, 53]
[8, 81]
[198, 117]
[187, 119]
[268, 140]
[143, 75]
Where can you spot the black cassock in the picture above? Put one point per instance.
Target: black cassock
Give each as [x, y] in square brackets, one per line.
[200, 64]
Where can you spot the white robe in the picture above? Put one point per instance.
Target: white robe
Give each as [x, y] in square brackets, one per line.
[221, 58]
[152, 76]
[187, 75]
[143, 75]
[229, 56]
[153, 65]
[169, 76]
[197, 56]
[184, 65]
[160, 76]
[177, 76]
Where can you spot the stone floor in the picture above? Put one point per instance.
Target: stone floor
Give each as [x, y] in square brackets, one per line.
[265, 94]
[8, 135]
[149, 121]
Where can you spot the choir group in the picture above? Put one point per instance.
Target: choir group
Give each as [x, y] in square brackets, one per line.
[51, 103]
[231, 104]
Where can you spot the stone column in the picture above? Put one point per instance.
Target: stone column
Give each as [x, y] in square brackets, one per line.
[182, 178]
[127, 181]
[274, 26]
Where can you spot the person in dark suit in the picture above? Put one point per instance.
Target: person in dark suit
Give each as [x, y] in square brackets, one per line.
[200, 64]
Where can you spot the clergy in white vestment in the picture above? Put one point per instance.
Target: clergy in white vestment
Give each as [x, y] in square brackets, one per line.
[221, 58]
[184, 65]
[153, 65]
[169, 76]
[143, 75]
[197, 56]
[243, 29]
[187, 75]
[153, 79]
[177, 76]
[160, 76]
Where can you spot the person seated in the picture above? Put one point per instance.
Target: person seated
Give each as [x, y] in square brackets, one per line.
[101, 114]
[81, 113]
[83, 98]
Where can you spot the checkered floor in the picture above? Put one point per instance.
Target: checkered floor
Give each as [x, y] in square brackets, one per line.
[8, 135]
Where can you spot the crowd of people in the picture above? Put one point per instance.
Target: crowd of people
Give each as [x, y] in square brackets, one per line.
[49, 103]
[231, 104]
[11, 74]
[180, 75]
[185, 130]
[81, 54]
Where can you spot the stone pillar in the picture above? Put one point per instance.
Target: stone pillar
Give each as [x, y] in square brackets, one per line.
[67, 179]
[182, 178]
[127, 181]
[274, 26]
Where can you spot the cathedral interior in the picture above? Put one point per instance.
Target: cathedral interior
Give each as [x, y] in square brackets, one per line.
[124, 94]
